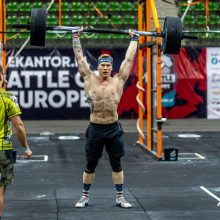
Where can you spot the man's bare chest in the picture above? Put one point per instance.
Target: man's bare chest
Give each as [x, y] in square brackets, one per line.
[103, 91]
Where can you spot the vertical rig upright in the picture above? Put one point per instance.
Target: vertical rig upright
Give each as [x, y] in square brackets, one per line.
[153, 53]
[3, 34]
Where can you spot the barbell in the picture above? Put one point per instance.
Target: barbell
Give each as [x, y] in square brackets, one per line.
[172, 33]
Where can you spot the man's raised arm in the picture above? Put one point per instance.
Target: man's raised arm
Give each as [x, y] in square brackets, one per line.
[129, 57]
[83, 66]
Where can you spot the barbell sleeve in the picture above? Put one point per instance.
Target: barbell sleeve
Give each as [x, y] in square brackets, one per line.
[62, 28]
[188, 36]
[202, 32]
[148, 33]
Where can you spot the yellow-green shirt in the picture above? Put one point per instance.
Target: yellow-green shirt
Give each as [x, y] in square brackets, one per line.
[8, 109]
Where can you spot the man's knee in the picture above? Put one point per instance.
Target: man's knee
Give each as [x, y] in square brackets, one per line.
[116, 164]
[90, 166]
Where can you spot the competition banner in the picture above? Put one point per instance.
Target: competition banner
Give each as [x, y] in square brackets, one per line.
[213, 81]
[47, 84]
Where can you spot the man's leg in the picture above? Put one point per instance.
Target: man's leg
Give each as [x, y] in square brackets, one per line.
[2, 199]
[118, 177]
[118, 180]
[88, 179]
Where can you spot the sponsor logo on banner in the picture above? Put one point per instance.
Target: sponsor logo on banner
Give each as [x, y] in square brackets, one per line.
[213, 82]
[168, 81]
[214, 61]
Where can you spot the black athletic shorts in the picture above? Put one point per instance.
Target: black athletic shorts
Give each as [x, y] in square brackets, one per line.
[100, 135]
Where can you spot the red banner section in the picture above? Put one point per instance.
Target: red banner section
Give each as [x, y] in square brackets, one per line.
[184, 86]
[190, 88]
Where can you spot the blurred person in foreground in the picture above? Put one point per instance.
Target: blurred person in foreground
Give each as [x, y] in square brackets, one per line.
[9, 115]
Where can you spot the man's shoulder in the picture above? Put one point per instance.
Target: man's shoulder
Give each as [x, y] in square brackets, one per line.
[94, 76]
[115, 75]
[8, 96]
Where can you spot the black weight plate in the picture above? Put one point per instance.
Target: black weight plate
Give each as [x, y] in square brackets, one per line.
[38, 26]
[172, 31]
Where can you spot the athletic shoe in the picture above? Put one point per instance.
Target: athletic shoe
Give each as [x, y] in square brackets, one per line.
[120, 201]
[82, 202]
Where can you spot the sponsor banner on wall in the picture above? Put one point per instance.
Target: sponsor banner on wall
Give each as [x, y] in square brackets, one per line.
[213, 82]
[49, 86]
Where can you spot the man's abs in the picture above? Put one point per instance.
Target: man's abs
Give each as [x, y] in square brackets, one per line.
[103, 99]
[104, 111]
[103, 118]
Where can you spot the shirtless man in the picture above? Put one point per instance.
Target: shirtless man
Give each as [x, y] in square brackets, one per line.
[104, 93]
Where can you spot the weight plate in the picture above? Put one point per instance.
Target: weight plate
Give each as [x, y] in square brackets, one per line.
[172, 35]
[38, 26]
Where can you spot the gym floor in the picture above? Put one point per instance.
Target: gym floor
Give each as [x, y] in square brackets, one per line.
[48, 185]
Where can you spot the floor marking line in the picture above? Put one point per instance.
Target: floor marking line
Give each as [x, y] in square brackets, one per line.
[200, 156]
[186, 153]
[45, 157]
[189, 158]
[211, 194]
[20, 159]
